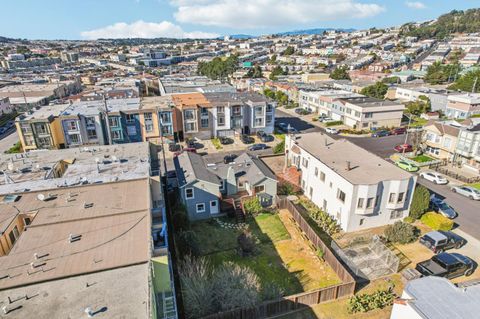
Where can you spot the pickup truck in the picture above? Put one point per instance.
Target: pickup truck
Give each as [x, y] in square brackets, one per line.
[446, 265]
[439, 241]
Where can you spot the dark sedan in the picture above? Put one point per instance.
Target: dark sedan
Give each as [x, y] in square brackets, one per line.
[257, 147]
[247, 139]
[381, 133]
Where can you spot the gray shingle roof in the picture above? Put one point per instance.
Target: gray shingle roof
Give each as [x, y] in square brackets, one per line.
[190, 167]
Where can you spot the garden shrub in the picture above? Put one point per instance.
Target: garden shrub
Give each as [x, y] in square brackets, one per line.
[409, 219]
[334, 123]
[420, 202]
[436, 221]
[323, 219]
[253, 206]
[401, 233]
[286, 188]
[246, 242]
[216, 143]
[367, 302]
[279, 148]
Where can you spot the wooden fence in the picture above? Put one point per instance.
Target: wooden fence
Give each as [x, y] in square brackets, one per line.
[302, 300]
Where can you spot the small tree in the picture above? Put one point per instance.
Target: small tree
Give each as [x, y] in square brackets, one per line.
[253, 206]
[401, 232]
[340, 73]
[377, 90]
[235, 286]
[279, 148]
[246, 242]
[420, 202]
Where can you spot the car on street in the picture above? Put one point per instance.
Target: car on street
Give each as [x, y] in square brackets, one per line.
[403, 148]
[325, 119]
[434, 177]
[225, 140]
[2, 130]
[439, 241]
[409, 167]
[257, 147]
[398, 131]
[446, 265]
[229, 158]
[442, 208]
[282, 126]
[381, 133]
[247, 139]
[467, 191]
[264, 137]
[331, 130]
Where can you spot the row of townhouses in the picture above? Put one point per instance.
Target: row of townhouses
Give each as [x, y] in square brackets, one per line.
[454, 142]
[129, 120]
[354, 110]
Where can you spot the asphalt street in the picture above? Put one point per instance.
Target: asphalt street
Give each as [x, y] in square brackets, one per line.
[468, 210]
[7, 140]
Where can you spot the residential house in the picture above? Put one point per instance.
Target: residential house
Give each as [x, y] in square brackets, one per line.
[463, 106]
[434, 297]
[467, 151]
[438, 96]
[368, 113]
[440, 139]
[5, 106]
[203, 186]
[41, 129]
[351, 184]
[325, 102]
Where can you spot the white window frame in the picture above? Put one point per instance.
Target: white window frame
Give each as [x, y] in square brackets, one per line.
[200, 211]
[193, 193]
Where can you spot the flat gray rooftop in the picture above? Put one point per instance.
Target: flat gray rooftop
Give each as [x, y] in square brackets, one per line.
[121, 293]
[438, 298]
[366, 168]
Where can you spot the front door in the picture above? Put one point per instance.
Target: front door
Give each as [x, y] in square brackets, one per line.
[214, 207]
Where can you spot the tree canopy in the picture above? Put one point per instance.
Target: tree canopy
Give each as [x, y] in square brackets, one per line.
[255, 72]
[377, 90]
[439, 73]
[420, 106]
[340, 73]
[468, 82]
[289, 51]
[219, 68]
[278, 70]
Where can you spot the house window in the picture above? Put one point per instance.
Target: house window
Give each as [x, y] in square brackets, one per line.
[166, 117]
[131, 130]
[258, 121]
[130, 118]
[322, 176]
[148, 127]
[221, 109]
[361, 221]
[189, 193]
[391, 198]
[324, 206]
[305, 162]
[311, 192]
[113, 121]
[72, 126]
[201, 208]
[41, 128]
[75, 139]
[116, 135]
[368, 115]
[316, 171]
[147, 116]
[259, 188]
[13, 235]
[90, 121]
[221, 120]
[190, 127]
[341, 195]
[396, 214]
[204, 111]
[360, 203]
[258, 110]
[370, 202]
[189, 115]
[400, 197]
[91, 133]
[27, 221]
[204, 123]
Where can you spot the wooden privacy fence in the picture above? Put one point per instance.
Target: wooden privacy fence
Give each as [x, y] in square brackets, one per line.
[302, 300]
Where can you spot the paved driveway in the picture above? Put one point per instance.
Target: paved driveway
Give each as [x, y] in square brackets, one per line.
[8, 140]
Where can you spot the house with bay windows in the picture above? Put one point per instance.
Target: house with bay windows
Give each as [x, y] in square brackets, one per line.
[357, 188]
[204, 185]
[440, 139]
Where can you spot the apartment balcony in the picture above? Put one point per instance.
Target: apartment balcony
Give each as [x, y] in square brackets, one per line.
[395, 205]
[364, 211]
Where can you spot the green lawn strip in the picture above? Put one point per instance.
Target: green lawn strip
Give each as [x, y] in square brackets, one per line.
[422, 159]
[213, 238]
[267, 264]
[268, 227]
[476, 185]
[418, 122]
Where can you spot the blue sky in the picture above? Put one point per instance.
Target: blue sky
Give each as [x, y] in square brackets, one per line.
[89, 19]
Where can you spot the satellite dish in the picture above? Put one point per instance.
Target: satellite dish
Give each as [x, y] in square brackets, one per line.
[97, 160]
[41, 197]
[10, 166]
[114, 158]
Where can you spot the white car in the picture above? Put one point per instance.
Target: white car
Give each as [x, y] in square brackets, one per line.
[331, 130]
[434, 178]
[467, 191]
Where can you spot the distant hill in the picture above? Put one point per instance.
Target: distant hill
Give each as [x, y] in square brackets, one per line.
[4, 40]
[312, 31]
[241, 36]
[456, 21]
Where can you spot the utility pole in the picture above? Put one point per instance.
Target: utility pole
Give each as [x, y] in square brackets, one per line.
[474, 85]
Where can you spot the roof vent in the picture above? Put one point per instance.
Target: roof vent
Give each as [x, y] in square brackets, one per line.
[45, 198]
[73, 238]
[87, 205]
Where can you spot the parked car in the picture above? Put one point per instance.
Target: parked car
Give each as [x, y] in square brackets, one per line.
[282, 126]
[325, 119]
[331, 130]
[403, 148]
[407, 166]
[398, 131]
[264, 137]
[415, 129]
[381, 133]
[190, 143]
[247, 139]
[257, 147]
[434, 177]
[439, 241]
[2, 130]
[173, 147]
[467, 191]
[225, 140]
[442, 208]
[229, 158]
[446, 265]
